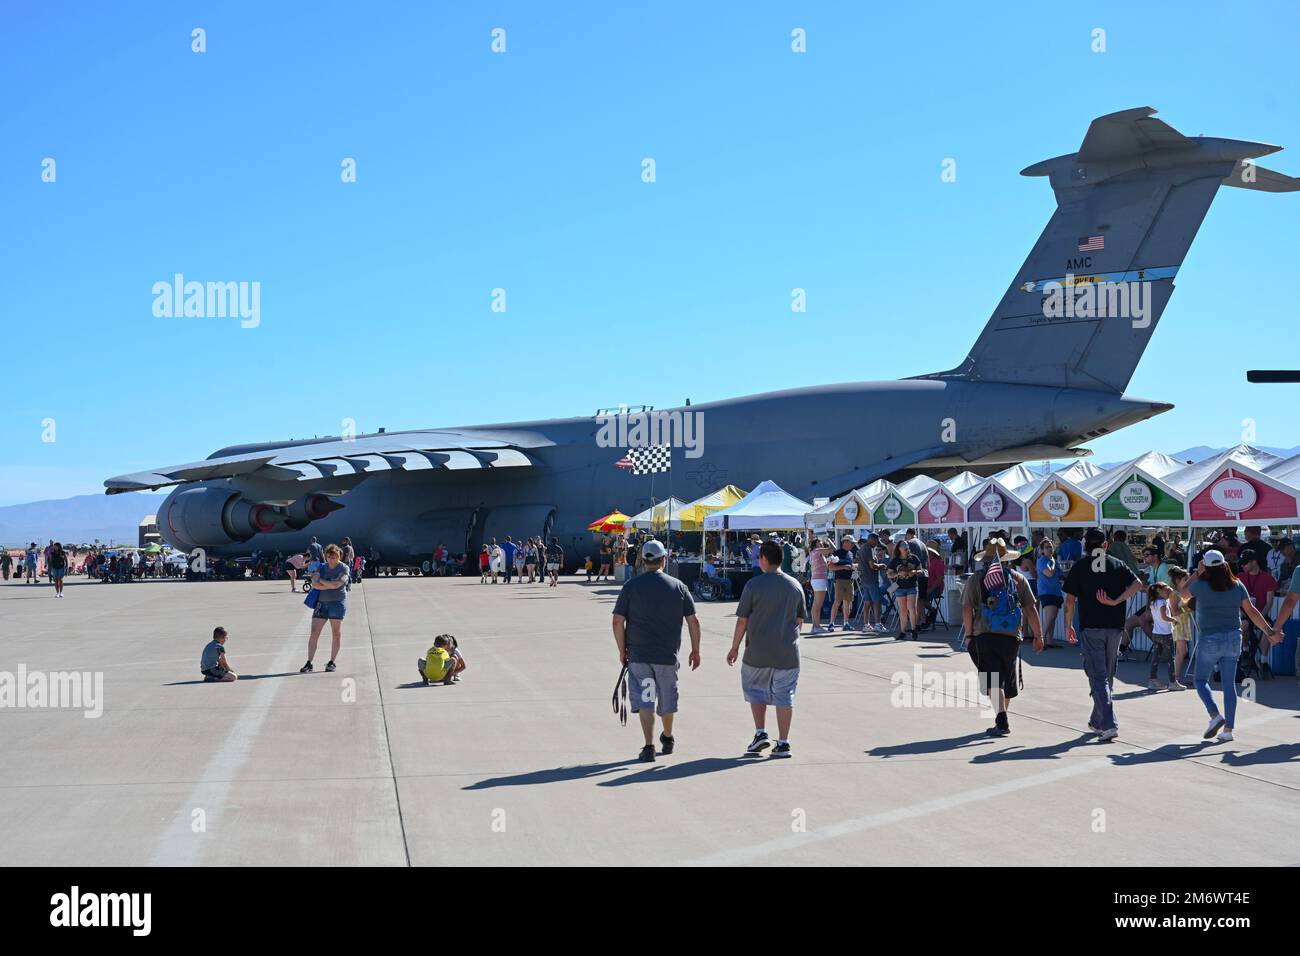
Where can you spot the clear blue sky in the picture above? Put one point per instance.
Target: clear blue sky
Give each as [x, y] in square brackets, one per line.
[523, 171]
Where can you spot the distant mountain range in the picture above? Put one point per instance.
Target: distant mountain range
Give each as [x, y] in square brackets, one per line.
[78, 520]
[116, 518]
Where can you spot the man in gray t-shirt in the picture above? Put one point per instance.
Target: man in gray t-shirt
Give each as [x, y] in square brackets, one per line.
[770, 613]
[648, 618]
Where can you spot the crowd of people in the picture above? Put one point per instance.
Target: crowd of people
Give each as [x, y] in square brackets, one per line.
[1208, 608]
[57, 561]
[1015, 589]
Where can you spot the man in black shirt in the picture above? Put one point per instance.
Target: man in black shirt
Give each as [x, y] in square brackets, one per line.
[841, 563]
[1101, 585]
[1253, 545]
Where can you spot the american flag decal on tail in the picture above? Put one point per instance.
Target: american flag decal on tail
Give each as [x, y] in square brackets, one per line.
[1092, 243]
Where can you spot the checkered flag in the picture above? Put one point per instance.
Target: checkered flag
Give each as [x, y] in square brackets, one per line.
[652, 459]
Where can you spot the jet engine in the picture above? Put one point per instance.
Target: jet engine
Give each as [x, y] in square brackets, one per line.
[211, 516]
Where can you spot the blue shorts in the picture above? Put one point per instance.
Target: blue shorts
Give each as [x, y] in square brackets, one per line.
[330, 610]
[57, 573]
[904, 592]
[870, 591]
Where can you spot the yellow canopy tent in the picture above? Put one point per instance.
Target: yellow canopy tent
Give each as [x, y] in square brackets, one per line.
[693, 513]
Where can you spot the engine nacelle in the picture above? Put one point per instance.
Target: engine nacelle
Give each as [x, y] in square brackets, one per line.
[309, 508]
[210, 516]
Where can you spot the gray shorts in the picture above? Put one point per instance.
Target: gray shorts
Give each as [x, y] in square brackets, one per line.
[769, 685]
[652, 685]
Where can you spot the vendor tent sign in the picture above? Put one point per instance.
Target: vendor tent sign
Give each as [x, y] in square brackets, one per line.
[1242, 494]
[892, 511]
[992, 503]
[940, 507]
[1060, 501]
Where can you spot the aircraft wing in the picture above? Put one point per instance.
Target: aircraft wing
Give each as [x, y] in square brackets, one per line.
[361, 456]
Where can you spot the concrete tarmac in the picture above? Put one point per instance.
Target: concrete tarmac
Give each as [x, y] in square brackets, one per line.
[524, 763]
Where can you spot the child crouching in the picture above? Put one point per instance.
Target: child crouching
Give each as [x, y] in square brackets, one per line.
[444, 661]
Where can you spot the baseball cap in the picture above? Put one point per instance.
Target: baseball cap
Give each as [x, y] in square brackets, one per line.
[1213, 558]
[653, 550]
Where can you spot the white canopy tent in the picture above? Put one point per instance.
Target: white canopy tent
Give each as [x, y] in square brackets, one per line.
[767, 508]
[657, 515]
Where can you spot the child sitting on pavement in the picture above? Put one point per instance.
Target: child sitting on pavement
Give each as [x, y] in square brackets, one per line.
[213, 664]
[439, 665]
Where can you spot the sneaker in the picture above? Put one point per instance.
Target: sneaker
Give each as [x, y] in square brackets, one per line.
[782, 750]
[817, 629]
[1154, 684]
[331, 667]
[759, 743]
[667, 743]
[1093, 727]
[647, 754]
[306, 668]
[1108, 735]
[1225, 736]
[999, 730]
[1215, 723]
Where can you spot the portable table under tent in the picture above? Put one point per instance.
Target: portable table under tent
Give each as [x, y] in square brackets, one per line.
[768, 507]
[696, 511]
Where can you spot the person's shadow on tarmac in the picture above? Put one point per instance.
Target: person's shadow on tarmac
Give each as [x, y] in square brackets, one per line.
[651, 774]
[551, 775]
[242, 678]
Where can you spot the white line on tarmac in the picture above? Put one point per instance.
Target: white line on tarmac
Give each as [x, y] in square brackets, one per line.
[795, 841]
[179, 845]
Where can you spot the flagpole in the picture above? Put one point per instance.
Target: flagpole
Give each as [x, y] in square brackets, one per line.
[668, 528]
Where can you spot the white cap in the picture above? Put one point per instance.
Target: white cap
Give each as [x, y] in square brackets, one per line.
[1213, 558]
[653, 550]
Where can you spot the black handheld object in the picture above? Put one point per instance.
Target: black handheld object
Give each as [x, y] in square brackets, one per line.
[620, 696]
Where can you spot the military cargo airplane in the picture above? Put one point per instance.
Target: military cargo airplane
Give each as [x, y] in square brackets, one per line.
[1040, 381]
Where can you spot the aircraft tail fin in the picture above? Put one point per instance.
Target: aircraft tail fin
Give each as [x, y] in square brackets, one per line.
[1084, 305]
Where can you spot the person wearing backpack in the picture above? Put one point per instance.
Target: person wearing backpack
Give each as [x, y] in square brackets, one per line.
[995, 604]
